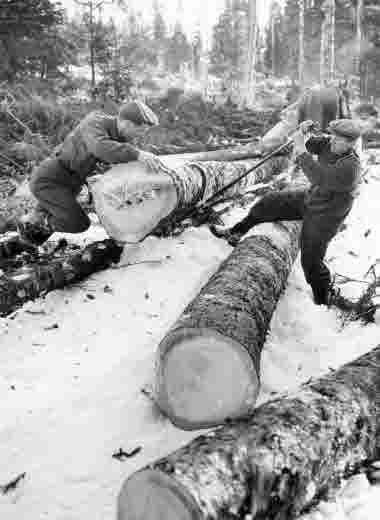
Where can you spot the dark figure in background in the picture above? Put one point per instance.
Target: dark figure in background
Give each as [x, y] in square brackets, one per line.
[320, 104]
[57, 181]
[334, 177]
[323, 105]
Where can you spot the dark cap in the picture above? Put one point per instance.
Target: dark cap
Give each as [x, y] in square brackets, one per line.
[138, 112]
[346, 128]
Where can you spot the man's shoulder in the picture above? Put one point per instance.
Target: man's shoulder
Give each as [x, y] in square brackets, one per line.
[97, 116]
[97, 119]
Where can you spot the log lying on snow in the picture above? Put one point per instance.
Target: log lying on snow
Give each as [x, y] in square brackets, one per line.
[53, 272]
[132, 201]
[208, 365]
[288, 454]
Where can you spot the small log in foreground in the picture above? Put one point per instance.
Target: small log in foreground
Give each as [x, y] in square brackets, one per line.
[132, 201]
[208, 365]
[54, 272]
[291, 452]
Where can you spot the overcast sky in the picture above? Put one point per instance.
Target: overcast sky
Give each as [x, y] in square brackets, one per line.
[203, 12]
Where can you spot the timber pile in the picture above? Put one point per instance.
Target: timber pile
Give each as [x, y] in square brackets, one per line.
[26, 276]
[293, 451]
[208, 364]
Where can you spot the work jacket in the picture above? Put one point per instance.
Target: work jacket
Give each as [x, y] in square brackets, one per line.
[94, 139]
[334, 178]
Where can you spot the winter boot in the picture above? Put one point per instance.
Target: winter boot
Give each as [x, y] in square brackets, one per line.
[232, 238]
[34, 228]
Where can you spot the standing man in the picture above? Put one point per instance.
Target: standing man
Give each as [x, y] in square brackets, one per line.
[57, 181]
[334, 177]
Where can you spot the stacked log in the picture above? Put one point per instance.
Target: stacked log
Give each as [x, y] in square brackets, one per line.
[273, 464]
[53, 272]
[208, 364]
[131, 201]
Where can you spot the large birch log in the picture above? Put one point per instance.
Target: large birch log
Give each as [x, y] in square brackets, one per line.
[131, 201]
[54, 271]
[208, 365]
[291, 452]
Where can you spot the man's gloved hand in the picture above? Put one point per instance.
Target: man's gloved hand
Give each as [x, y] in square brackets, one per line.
[307, 126]
[151, 161]
[298, 139]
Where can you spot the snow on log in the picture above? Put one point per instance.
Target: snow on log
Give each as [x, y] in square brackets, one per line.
[208, 365]
[53, 272]
[131, 201]
[293, 451]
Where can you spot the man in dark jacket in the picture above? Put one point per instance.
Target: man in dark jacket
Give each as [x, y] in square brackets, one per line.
[57, 181]
[334, 177]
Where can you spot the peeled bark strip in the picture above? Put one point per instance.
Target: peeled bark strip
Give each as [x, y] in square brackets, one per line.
[208, 365]
[225, 154]
[273, 464]
[131, 201]
[54, 272]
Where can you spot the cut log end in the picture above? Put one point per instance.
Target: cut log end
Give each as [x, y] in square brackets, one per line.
[152, 495]
[129, 210]
[205, 378]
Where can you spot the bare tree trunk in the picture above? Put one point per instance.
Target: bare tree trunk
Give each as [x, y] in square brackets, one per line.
[301, 43]
[332, 40]
[208, 364]
[359, 41]
[92, 50]
[322, 66]
[328, 41]
[291, 452]
[273, 39]
[251, 54]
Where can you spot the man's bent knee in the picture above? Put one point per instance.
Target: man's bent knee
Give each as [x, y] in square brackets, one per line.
[70, 224]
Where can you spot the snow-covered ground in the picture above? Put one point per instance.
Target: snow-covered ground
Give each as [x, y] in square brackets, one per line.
[74, 363]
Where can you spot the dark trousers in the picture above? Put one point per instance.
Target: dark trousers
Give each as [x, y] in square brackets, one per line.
[56, 190]
[318, 228]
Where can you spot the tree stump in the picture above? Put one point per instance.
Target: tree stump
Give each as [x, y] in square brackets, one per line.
[291, 452]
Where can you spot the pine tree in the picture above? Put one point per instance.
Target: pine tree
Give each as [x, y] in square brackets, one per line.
[95, 29]
[230, 43]
[179, 49]
[22, 25]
